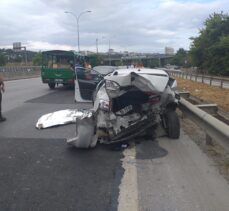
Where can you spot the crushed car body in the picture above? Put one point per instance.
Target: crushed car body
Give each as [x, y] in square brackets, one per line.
[129, 103]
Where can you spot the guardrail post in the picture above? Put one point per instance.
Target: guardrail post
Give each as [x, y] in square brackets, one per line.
[185, 95]
[209, 108]
[210, 81]
[196, 78]
[221, 83]
[202, 79]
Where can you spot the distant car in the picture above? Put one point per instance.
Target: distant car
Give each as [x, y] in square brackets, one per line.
[129, 103]
[104, 70]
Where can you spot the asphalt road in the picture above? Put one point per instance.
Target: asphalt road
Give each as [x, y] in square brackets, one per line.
[38, 171]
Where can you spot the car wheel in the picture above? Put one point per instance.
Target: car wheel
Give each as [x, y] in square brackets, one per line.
[172, 124]
[52, 85]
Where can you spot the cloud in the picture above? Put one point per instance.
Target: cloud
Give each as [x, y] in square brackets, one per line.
[47, 46]
[143, 26]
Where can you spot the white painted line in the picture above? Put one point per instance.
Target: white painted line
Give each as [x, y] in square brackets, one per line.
[128, 189]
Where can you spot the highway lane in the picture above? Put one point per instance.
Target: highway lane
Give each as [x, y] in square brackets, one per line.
[173, 175]
[18, 91]
[40, 172]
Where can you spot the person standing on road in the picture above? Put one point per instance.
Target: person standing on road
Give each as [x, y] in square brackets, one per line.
[2, 89]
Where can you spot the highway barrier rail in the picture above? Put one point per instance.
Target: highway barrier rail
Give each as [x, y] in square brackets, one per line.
[212, 81]
[18, 72]
[214, 128]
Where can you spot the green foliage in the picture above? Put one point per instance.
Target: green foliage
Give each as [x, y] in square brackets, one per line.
[37, 59]
[152, 63]
[210, 50]
[181, 58]
[2, 60]
[95, 60]
[218, 61]
[118, 63]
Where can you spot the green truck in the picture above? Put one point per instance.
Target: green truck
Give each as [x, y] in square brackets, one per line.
[58, 67]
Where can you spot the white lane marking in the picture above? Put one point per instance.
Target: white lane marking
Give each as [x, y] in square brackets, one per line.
[128, 191]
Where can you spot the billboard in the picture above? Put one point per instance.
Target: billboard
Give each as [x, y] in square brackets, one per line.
[17, 45]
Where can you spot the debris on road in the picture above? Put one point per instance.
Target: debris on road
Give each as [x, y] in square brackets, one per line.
[61, 117]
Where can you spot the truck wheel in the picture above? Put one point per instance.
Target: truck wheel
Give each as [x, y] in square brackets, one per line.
[172, 125]
[52, 85]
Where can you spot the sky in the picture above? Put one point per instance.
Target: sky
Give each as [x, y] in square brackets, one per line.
[145, 26]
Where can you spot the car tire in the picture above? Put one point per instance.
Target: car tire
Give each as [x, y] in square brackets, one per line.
[52, 85]
[172, 125]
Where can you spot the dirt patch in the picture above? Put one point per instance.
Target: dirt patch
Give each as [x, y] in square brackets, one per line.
[205, 92]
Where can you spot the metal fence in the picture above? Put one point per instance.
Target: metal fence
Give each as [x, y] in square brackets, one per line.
[18, 72]
[210, 80]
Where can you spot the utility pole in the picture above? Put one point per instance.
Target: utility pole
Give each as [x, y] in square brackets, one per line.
[96, 43]
[25, 54]
[109, 54]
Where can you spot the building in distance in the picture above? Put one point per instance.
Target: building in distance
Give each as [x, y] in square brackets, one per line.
[169, 51]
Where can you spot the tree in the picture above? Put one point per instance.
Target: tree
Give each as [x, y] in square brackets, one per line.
[95, 60]
[181, 58]
[37, 59]
[154, 63]
[2, 60]
[210, 50]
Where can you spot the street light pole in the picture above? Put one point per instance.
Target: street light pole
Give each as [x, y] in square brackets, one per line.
[109, 53]
[77, 21]
[96, 43]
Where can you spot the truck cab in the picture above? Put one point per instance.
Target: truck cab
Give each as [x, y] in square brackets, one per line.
[58, 67]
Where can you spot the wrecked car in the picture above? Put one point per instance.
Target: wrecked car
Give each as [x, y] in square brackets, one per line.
[129, 103]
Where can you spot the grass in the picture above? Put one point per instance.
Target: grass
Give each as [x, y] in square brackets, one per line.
[211, 94]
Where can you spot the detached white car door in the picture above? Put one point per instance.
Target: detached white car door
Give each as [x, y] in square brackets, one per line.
[85, 84]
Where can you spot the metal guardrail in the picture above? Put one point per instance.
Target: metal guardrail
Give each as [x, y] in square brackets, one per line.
[19, 68]
[213, 127]
[210, 80]
[19, 72]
